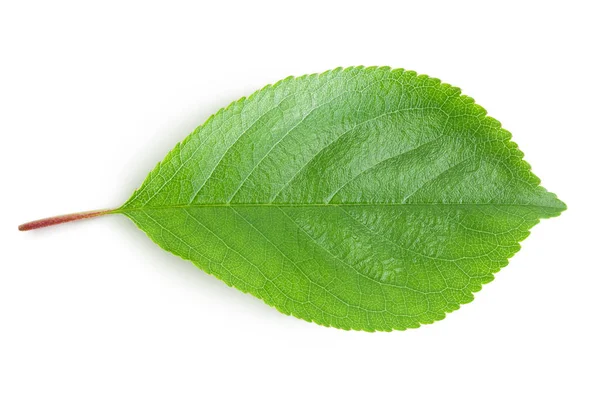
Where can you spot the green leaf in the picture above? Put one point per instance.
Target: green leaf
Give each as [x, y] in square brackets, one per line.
[360, 198]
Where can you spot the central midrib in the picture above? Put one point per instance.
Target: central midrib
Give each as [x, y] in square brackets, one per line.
[279, 205]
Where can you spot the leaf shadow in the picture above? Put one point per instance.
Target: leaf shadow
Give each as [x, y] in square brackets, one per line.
[171, 131]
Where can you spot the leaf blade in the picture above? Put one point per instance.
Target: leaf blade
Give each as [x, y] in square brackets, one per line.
[373, 152]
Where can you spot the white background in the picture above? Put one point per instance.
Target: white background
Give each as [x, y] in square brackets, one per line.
[93, 95]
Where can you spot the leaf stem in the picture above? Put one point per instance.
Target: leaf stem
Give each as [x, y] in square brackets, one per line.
[61, 219]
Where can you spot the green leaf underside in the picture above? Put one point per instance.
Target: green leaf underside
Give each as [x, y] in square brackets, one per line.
[359, 198]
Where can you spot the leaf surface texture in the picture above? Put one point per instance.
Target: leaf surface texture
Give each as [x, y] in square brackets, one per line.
[360, 198]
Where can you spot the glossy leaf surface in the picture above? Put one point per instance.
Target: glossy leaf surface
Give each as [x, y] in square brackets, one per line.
[362, 198]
